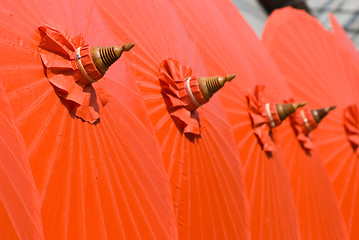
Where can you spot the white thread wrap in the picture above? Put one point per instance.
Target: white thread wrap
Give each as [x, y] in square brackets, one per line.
[269, 114]
[189, 92]
[305, 120]
[81, 67]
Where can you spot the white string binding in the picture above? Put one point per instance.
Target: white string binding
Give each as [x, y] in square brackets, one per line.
[305, 120]
[189, 92]
[81, 67]
[269, 114]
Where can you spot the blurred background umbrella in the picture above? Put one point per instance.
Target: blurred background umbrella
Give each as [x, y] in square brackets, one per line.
[20, 208]
[96, 181]
[321, 67]
[198, 150]
[229, 40]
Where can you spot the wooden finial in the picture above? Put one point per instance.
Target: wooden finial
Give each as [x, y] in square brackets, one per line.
[319, 114]
[286, 109]
[104, 57]
[210, 85]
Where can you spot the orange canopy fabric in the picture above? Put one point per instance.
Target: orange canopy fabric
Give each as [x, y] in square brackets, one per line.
[229, 45]
[319, 68]
[20, 205]
[205, 172]
[95, 181]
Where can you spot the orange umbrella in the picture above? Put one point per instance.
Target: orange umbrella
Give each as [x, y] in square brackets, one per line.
[320, 67]
[20, 216]
[196, 141]
[229, 45]
[96, 162]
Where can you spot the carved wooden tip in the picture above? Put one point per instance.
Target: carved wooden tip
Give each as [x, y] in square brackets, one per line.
[301, 104]
[104, 57]
[229, 77]
[319, 114]
[211, 85]
[128, 46]
[286, 109]
[332, 108]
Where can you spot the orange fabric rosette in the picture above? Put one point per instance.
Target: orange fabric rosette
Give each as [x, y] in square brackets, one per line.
[264, 116]
[303, 122]
[76, 90]
[182, 95]
[351, 125]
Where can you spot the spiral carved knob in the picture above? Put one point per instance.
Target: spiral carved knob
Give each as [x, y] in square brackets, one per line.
[210, 85]
[319, 114]
[286, 109]
[104, 57]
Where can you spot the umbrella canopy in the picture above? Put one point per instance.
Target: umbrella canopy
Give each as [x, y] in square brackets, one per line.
[197, 143]
[229, 45]
[20, 214]
[320, 67]
[96, 162]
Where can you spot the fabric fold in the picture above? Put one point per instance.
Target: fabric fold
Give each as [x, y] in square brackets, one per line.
[303, 122]
[182, 95]
[58, 53]
[351, 125]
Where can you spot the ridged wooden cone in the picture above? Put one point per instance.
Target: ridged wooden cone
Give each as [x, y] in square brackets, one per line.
[104, 57]
[286, 109]
[319, 114]
[210, 85]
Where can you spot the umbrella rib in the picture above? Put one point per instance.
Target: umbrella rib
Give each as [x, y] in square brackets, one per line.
[216, 166]
[178, 184]
[271, 190]
[139, 123]
[202, 153]
[210, 162]
[137, 178]
[124, 86]
[342, 164]
[261, 166]
[189, 172]
[81, 173]
[130, 31]
[11, 182]
[43, 129]
[351, 167]
[108, 159]
[2, 205]
[133, 192]
[52, 159]
[67, 180]
[94, 183]
[253, 148]
[15, 94]
[170, 165]
[33, 106]
[354, 198]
